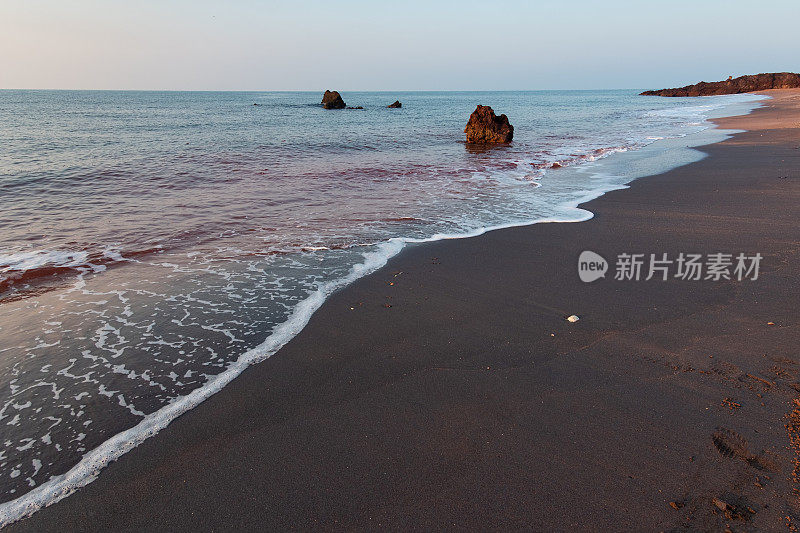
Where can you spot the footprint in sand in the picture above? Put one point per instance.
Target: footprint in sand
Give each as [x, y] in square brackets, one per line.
[731, 444]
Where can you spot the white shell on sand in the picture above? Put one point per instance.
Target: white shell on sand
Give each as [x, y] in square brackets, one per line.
[573, 318]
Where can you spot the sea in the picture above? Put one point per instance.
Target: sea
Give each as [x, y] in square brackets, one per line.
[155, 244]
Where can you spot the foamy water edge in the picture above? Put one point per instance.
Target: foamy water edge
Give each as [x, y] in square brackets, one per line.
[89, 467]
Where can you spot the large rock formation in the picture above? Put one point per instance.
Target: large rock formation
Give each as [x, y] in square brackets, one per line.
[395, 105]
[333, 100]
[484, 127]
[742, 84]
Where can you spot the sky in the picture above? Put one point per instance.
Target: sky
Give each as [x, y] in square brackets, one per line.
[352, 45]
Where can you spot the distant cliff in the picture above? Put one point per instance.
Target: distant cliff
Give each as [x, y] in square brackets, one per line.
[742, 84]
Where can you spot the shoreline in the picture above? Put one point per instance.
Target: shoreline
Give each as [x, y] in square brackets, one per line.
[662, 154]
[200, 435]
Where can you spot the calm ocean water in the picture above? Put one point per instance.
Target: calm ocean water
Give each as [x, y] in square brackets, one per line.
[153, 244]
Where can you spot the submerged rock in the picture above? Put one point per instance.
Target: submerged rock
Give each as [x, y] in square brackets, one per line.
[332, 100]
[484, 127]
[395, 105]
[742, 84]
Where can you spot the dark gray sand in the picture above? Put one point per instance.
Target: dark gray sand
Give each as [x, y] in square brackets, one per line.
[455, 394]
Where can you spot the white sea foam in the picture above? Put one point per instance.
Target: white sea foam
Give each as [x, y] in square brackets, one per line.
[58, 487]
[24, 261]
[30, 260]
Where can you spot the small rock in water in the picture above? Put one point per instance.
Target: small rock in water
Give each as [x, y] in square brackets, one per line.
[573, 318]
[332, 100]
[395, 105]
[484, 127]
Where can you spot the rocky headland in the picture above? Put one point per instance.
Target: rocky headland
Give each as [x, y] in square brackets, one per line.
[742, 84]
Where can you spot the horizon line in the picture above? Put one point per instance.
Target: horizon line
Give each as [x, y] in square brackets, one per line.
[311, 90]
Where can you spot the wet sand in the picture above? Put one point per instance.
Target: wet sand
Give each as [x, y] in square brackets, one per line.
[447, 390]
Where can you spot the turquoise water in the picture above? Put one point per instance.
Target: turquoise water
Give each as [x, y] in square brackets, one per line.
[154, 244]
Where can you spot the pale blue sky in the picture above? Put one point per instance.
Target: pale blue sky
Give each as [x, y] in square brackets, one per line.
[411, 45]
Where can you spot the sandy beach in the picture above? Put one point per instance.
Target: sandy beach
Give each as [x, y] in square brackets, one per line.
[447, 390]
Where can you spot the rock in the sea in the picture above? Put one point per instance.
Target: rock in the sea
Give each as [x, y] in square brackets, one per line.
[742, 84]
[395, 105]
[333, 100]
[484, 127]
